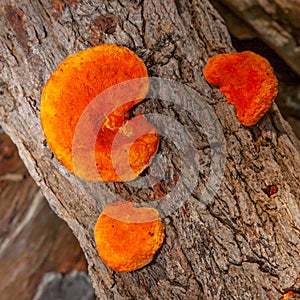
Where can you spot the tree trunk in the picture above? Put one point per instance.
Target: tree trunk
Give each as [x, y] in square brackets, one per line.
[242, 243]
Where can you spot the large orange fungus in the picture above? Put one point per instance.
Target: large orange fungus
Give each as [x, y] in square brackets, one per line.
[247, 80]
[70, 113]
[128, 237]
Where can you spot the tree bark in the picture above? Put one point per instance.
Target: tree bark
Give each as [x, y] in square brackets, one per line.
[240, 244]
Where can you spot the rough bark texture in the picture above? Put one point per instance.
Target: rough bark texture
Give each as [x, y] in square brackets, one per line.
[33, 240]
[274, 22]
[243, 244]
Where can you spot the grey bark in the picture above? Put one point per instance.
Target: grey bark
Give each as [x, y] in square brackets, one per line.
[244, 244]
[75, 286]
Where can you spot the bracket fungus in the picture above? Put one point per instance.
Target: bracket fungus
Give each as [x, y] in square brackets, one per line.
[288, 295]
[81, 131]
[128, 237]
[247, 80]
[270, 190]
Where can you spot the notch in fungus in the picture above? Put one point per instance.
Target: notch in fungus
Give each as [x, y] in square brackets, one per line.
[69, 96]
[247, 80]
[128, 237]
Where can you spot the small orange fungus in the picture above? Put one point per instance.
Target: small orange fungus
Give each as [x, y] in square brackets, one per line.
[73, 88]
[247, 80]
[271, 190]
[288, 295]
[128, 237]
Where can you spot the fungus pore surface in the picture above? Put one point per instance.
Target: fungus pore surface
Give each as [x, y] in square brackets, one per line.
[128, 237]
[247, 80]
[74, 86]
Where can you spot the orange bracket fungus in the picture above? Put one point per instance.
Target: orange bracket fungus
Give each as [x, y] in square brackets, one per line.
[248, 82]
[81, 131]
[128, 237]
[288, 295]
[270, 190]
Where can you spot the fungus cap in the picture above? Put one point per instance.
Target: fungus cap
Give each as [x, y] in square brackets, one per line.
[128, 237]
[247, 80]
[288, 295]
[74, 86]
